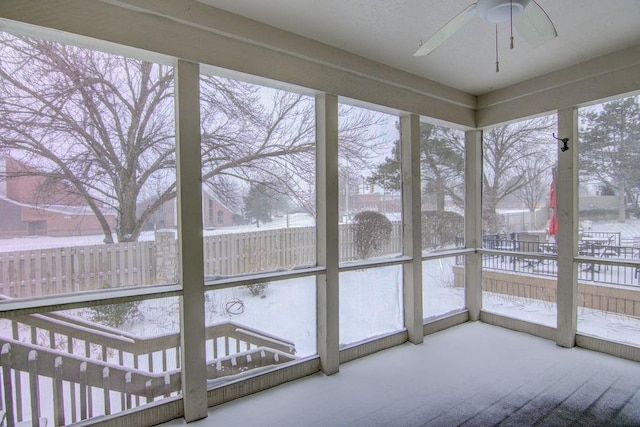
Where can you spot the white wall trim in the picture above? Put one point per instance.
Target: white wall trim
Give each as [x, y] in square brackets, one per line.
[621, 350]
[447, 321]
[518, 325]
[607, 76]
[253, 384]
[373, 345]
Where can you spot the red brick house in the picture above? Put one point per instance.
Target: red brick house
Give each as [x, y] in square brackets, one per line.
[29, 208]
[215, 213]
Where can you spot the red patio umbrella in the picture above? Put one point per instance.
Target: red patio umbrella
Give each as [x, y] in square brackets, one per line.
[553, 222]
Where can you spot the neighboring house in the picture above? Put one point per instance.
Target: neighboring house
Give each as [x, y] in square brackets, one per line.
[29, 208]
[374, 198]
[215, 214]
[378, 202]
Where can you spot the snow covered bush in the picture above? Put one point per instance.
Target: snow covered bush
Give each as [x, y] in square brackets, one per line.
[370, 231]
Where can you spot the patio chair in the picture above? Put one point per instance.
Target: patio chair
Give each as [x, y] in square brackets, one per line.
[506, 242]
[609, 249]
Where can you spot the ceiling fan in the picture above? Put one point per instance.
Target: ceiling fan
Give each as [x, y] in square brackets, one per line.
[530, 20]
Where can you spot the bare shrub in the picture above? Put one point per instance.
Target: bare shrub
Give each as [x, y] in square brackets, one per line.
[440, 228]
[257, 289]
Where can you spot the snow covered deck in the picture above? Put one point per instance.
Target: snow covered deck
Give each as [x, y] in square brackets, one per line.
[471, 374]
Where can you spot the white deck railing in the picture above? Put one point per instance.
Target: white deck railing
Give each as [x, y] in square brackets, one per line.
[66, 370]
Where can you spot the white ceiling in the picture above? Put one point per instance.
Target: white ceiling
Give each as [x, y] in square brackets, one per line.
[389, 31]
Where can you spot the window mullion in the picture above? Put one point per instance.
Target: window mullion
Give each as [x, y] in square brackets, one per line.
[191, 271]
[327, 229]
[412, 242]
[473, 222]
[567, 206]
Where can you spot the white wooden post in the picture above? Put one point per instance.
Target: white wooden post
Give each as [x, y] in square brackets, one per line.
[567, 211]
[473, 222]
[191, 265]
[412, 230]
[327, 229]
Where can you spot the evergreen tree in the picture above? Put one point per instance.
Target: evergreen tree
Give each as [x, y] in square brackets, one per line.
[610, 148]
[442, 165]
[257, 204]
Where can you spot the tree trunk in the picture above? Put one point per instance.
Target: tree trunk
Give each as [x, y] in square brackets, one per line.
[622, 207]
[440, 202]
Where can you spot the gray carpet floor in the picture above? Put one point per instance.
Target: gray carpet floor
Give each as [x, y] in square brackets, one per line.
[470, 375]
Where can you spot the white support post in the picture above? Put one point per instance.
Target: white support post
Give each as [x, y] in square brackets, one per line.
[473, 222]
[567, 211]
[327, 231]
[191, 265]
[412, 229]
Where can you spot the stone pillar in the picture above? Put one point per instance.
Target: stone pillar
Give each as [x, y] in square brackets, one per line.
[166, 256]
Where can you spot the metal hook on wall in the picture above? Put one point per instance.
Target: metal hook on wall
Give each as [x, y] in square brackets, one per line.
[564, 147]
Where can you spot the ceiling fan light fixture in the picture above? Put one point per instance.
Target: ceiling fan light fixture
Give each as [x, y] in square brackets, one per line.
[497, 11]
[533, 24]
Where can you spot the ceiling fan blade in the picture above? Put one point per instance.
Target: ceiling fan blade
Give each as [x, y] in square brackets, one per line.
[446, 31]
[534, 25]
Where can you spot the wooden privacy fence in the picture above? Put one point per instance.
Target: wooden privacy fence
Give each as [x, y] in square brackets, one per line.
[38, 272]
[255, 251]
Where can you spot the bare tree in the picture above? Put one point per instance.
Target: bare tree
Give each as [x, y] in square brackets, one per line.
[103, 126]
[517, 159]
[100, 124]
[509, 152]
[538, 179]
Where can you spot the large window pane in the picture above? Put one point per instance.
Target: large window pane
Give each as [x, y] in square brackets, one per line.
[87, 170]
[258, 169]
[518, 218]
[93, 361]
[442, 182]
[442, 286]
[258, 326]
[609, 228]
[370, 303]
[370, 201]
